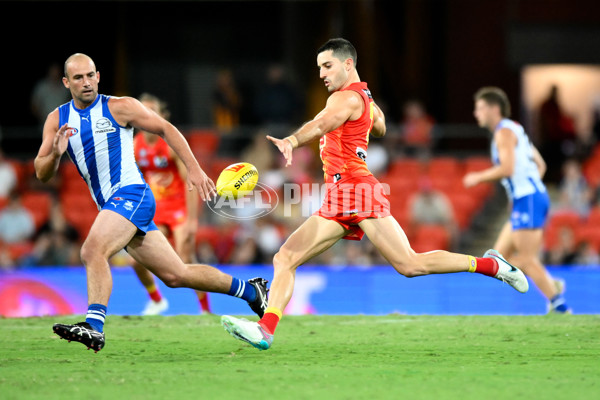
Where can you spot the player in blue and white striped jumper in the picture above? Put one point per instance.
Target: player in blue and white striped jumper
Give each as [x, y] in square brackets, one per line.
[520, 168]
[96, 131]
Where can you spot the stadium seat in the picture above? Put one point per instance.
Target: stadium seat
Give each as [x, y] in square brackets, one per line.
[407, 166]
[400, 184]
[430, 237]
[591, 171]
[476, 163]
[208, 234]
[204, 143]
[38, 204]
[80, 211]
[593, 217]
[217, 165]
[465, 206]
[589, 233]
[18, 250]
[445, 166]
[21, 172]
[565, 217]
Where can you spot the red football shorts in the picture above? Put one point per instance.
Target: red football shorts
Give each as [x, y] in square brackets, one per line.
[170, 214]
[352, 200]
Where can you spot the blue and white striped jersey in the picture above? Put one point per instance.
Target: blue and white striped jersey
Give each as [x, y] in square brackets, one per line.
[525, 179]
[101, 149]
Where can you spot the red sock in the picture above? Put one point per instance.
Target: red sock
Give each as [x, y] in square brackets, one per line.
[154, 293]
[486, 266]
[270, 320]
[204, 304]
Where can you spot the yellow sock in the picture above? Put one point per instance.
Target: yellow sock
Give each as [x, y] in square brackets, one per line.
[472, 263]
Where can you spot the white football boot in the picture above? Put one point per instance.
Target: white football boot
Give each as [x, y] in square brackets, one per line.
[156, 308]
[247, 331]
[508, 273]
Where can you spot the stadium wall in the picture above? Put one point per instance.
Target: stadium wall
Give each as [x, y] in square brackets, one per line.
[319, 290]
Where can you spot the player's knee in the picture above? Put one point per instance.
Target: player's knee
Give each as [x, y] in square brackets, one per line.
[172, 280]
[89, 253]
[410, 267]
[283, 260]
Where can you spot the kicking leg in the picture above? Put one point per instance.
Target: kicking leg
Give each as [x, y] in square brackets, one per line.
[155, 253]
[313, 237]
[389, 238]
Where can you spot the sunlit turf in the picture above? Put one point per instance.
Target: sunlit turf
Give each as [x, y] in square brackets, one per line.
[313, 357]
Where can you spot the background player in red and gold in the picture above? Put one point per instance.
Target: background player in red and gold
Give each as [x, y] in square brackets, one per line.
[176, 208]
[354, 204]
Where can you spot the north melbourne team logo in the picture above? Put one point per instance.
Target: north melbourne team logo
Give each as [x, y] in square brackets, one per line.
[103, 125]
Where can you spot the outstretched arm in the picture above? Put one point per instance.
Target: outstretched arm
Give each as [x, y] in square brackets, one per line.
[129, 111]
[340, 107]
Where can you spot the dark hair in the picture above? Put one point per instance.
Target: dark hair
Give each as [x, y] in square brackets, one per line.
[341, 48]
[494, 96]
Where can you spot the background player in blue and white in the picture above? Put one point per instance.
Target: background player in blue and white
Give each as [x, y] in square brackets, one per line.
[97, 133]
[520, 168]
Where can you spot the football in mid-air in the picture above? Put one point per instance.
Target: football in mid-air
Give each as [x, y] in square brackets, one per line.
[237, 180]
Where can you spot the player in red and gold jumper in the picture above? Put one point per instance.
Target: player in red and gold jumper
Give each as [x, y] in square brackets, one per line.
[354, 204]
[176, 208]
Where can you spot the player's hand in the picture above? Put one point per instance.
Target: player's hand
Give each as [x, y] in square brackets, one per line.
[61, 140]
[205, 185]
[285, 147]
[471, 179]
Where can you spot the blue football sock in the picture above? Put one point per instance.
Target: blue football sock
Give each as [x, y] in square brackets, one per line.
[95, 316]
[242, 289]
[559, 304]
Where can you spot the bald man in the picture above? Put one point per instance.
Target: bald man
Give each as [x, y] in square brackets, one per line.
[96, 131]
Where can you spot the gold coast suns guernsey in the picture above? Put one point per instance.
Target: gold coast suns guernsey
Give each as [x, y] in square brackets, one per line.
[344, 150]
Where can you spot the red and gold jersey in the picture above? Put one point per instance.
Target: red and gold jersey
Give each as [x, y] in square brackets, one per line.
[344, 150]
[160, 171]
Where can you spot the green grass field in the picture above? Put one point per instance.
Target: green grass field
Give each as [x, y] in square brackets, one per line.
[323, 357]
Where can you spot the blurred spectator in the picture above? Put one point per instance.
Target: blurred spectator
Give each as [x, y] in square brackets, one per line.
[8, 177]
[575, 194]
[564, 252]
[269, 238]
[377, 158]
[557, 132]
[57, 241]
[417, 128]
[16, 222]
[227, 102]
[356, 254]
[16, 229]
[431, 207]
[277, 104]
[48, 93]
[246, 251]
[586, 254]
[205, 253]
